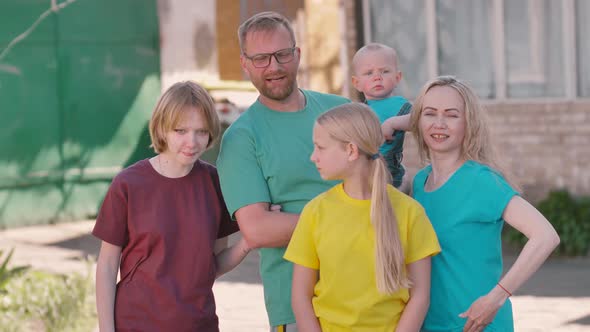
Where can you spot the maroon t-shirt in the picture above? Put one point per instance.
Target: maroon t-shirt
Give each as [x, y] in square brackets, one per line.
[167, 229]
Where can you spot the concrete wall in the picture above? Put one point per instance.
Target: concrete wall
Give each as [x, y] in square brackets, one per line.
[188, 41]
[322, 51]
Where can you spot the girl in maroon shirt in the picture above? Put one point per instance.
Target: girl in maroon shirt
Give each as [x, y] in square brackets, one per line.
[163, 222]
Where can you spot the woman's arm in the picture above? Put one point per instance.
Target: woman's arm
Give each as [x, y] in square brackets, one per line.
[107, 268]
[304, 281]
[228, 258]
[542, 239]
[416, 308]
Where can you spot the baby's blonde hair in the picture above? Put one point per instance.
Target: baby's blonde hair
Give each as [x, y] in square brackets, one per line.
[373, 47]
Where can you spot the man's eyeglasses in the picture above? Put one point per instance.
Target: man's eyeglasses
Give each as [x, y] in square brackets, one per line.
[262, 60]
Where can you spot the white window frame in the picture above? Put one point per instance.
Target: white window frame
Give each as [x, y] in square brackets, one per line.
[532, 72]
[568, 8]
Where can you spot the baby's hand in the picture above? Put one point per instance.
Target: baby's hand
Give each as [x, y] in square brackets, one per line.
[387, 130]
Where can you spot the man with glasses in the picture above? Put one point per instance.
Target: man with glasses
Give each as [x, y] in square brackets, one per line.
[264, 155]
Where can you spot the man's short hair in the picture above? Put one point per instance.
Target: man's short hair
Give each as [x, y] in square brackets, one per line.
[265, 21]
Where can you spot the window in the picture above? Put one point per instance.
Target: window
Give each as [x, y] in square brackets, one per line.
[504, 49]
[401, 25]
[583, 47]
[534, 48]
[466, 53]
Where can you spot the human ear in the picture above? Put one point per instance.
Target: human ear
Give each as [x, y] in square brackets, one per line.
[243, 65]
[353, 151]
[398, 77]
[355, 83]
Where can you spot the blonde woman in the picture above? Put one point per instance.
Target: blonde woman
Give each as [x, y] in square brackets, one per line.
[468, 197]
[164, 224]
[370, 243]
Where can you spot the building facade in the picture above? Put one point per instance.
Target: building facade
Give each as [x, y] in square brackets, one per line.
[529, 60]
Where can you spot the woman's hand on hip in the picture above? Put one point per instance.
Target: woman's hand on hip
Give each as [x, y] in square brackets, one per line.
[482, 312]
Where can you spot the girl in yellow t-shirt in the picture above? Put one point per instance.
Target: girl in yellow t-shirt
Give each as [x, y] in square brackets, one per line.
[361, 249]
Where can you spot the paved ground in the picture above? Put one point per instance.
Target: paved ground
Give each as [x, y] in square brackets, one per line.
[556, 299]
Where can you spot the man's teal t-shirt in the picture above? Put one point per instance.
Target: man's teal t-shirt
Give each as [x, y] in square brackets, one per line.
[466, 213]
[385, 109]
[264, 157]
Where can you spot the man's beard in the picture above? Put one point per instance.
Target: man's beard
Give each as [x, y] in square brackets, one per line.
[276, 92]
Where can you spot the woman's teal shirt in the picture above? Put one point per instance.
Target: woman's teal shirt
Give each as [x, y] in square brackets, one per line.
[466, 213]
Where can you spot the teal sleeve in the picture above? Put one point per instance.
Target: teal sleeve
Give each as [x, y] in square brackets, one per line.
[240, 175]
[493, 193]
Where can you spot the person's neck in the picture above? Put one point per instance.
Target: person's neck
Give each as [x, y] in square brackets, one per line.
[170, 169]
[358, 184]
[293, 103]
[443, 167]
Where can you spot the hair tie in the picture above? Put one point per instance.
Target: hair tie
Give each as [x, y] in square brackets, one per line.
[375, 156]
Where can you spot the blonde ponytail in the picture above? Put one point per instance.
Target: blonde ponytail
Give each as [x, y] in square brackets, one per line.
[356, 123]
[389, 253]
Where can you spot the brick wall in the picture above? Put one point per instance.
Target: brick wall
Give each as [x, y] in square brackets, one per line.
[545, 145]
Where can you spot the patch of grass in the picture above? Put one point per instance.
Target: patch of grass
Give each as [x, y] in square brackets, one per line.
[41, 301]
[6, 272]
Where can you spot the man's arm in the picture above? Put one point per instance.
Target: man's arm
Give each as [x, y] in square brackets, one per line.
[263, 228]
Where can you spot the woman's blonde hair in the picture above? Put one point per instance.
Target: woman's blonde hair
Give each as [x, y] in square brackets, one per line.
[173, 105]
[477, 143]
[355, 123]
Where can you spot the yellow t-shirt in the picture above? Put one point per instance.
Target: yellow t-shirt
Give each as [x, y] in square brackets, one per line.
[335, 236]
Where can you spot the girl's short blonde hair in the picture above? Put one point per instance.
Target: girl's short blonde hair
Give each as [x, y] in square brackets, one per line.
[172, 106]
